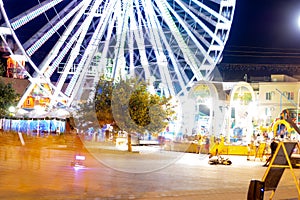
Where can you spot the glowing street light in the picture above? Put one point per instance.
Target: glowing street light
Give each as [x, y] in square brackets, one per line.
[11, 110]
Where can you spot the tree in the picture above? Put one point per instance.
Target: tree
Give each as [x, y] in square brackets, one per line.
[9, 97]
[130, 107]
[103, 102]
[96, 112]
[86, 116]
[2, 68]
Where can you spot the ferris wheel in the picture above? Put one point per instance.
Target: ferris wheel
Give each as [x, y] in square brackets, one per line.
[68, 44]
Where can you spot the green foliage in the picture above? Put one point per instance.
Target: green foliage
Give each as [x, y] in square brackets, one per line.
[8, 98]
[103, 102]
[126, 105]
[2, 68]
[129, 106]
[86, 116]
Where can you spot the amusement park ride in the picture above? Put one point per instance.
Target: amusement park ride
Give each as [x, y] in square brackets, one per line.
[64, 46]
[280, 160]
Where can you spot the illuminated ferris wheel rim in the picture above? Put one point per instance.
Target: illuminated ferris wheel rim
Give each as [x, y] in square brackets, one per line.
[172, 43]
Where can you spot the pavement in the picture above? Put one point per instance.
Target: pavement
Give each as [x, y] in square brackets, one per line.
[113, 173]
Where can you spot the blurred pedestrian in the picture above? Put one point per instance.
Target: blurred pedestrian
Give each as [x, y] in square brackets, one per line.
[249, 151]
[273, 147]
[207, 144]
[199, 144]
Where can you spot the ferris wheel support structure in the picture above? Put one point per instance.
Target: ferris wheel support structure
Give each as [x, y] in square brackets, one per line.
[170, 43]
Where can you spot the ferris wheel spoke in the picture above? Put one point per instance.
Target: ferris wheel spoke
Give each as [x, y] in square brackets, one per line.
[175, 68]
[77, 78]
[140, 39]
[160, 70]
[51, 28]
[103, 45]
[212, 16]
[104, 53]
[192, 35]
[185, 50]
[32, 13]
[67, 40]
[121, 32]
[222, 31]
[216, 1]
[156, 45]
[75, 53]
[159, 40]
[178, 77]
[61, 48]
[201, 23]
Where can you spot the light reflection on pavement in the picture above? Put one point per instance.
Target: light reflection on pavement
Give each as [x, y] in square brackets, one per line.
[37, 172]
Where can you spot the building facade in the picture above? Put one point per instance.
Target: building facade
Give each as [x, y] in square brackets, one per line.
[273, 97]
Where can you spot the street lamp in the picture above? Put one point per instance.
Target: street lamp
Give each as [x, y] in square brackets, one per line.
[11, 110]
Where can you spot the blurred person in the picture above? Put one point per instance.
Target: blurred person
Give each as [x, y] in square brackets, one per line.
[199, 144]
[273, 147]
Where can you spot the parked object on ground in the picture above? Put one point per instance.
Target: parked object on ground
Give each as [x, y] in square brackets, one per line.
[219, 160]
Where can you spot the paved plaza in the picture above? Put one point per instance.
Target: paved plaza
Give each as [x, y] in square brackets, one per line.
[28, 172]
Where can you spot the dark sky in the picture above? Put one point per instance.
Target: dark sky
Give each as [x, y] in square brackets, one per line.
[264, 31]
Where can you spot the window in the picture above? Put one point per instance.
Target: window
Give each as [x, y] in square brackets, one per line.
[290, 95]
[268, 96]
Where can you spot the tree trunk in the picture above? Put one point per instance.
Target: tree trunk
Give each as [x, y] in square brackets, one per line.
[129, 142]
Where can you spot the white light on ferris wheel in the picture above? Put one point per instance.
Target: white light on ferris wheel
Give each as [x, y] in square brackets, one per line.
[172, 42]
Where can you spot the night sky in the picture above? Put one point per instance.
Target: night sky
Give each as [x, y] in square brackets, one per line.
[264, 31]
